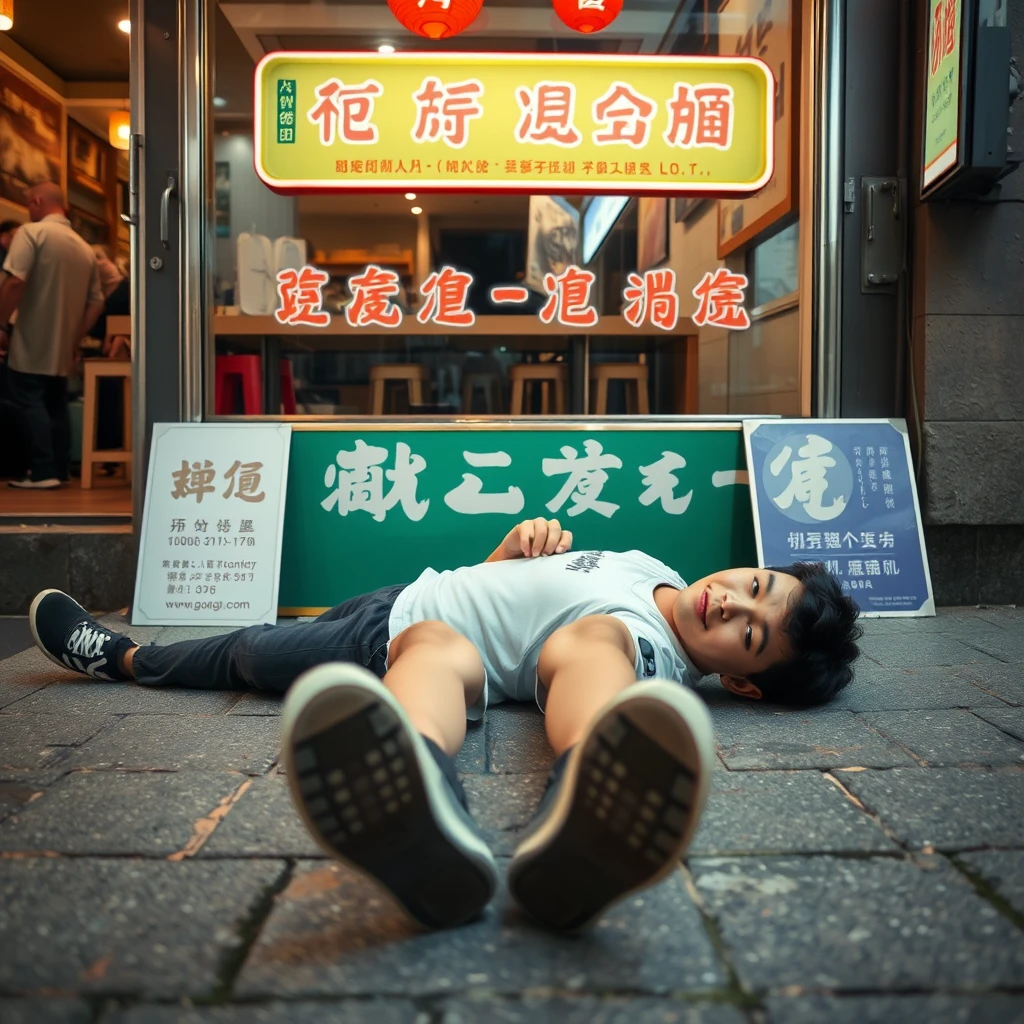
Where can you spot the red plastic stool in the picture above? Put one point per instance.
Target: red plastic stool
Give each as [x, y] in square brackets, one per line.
[248, 369]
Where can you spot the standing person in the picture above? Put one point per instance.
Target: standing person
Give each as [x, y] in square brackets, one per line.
[7, 230]
[54, 284]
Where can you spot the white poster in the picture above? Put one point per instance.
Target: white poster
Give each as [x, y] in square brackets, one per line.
[212, 525]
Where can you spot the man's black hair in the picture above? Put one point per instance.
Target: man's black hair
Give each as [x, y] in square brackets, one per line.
[822, 633]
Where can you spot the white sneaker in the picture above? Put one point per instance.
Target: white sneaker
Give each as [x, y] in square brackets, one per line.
[380, 797]
[621, 807]
[27, 483]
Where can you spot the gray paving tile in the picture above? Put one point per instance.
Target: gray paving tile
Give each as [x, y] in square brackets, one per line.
[516, 740]
[25, 673]
[39, 741]
[86, 696]
[19, 792]
[257, 703]
[1001, 869]
[1005, 681]
[894, 689]
[503, 805]
[263, 823]
[783, 812]
[333, 933]
[913, 650]
[16, 690]
[115, 813]
[1010, 720]
[1003, 616]
[473, 755]
[147, 928]
[370, 1011]
[948, 737]
[938, 1009]
[45, 1011]
[587, 1010]
[948, 808]
[1006, 645]
[759, 738]
[879, 924]
[156, 742]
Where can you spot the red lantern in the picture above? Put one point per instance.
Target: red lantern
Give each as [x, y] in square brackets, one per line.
[587, 15]
[436, 19]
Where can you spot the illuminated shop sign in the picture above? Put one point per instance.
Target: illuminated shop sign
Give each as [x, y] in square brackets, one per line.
[648, 298]
[522, 122]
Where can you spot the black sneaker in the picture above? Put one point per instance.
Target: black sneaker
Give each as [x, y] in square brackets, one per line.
[621, 807]
[377, 795]
[70, 637]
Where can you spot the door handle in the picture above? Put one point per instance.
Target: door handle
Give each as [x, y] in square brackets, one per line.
[165, 212]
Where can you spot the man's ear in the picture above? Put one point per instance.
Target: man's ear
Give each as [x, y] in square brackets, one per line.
[741, 686]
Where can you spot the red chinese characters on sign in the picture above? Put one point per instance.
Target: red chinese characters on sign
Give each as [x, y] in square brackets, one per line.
[569, 298]
[547, 114]
[443, 111]
[624, 116]
[343, 112]
[515, 294]
[943, 32]
[446, 291]
[372, 292]
[651, 296]
[720, 298]
[700, 116]
[301, 297]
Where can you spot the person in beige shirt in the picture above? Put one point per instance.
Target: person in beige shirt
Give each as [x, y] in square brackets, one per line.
[54, 284]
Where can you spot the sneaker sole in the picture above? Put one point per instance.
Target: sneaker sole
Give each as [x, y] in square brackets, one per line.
[371, 795]
[628, 805]
[33, 608]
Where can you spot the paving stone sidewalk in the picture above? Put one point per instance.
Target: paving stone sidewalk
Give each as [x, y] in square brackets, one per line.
[858, 863]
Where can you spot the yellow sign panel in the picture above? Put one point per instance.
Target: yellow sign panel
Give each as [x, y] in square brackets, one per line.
[514, 122]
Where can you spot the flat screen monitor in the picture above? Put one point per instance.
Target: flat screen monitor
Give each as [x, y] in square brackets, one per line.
[598, 219]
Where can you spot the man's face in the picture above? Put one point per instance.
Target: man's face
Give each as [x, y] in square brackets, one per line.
[34, 201]
[731, 622]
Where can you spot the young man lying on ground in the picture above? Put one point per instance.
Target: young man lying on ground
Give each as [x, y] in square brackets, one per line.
[591, 636]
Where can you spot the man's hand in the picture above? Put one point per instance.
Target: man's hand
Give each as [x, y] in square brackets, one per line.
[531, 538]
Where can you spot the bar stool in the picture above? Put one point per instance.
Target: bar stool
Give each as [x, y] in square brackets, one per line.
[488, 383]
[248, 370]
[414, 375]
[634, 375]
[544, 374]
[92, 370]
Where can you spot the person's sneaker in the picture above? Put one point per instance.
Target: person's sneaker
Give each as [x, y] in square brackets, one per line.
[380, 797]
[70, 637]
[26, 483]
[620, 809]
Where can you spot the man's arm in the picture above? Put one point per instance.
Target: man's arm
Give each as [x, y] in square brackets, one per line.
[531, 538]
[91, 315]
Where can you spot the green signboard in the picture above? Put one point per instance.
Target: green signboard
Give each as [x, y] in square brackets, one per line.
[942, 142]
[372, 505]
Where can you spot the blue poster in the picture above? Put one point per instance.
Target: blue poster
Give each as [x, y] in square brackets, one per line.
[842, 492]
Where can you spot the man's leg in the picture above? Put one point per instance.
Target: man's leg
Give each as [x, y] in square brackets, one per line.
[627, 790]
[370, 771]
[56, 397]
[28, 390]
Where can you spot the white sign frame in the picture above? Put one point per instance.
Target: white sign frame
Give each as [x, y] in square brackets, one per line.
[152, 554]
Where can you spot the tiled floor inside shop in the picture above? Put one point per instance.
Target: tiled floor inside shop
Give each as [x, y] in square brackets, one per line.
[859, 863]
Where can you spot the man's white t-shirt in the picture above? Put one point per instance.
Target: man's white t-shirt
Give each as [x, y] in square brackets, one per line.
[508, 609]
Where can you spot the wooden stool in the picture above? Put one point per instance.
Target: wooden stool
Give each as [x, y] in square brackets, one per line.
[546, 374]
[488, 383]
[92, 370]
[413, 374]
[248, 369]
[635, 377]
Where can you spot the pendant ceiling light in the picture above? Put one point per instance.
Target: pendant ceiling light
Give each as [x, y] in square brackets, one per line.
[120, 129]
[6, 15]
[436, 19]
[587, 16]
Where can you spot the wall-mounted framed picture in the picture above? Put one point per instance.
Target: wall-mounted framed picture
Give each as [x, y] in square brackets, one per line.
[553, 239]
[95, 230]
[31, 136]
[87, 158]
[651, 232]
[684, 207]
[750, 28]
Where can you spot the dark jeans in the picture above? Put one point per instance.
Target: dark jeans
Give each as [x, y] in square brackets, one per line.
[271, 657]
[43, 401]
